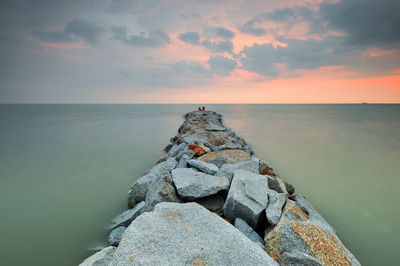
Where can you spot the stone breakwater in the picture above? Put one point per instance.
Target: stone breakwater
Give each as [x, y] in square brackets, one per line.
[210, 201]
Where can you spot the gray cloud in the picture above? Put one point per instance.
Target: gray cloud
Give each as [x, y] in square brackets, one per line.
[190, 37]
[221, 65]
[368, 22]
[79, 28]
[249, 27]
[155, 38]
[224, 33]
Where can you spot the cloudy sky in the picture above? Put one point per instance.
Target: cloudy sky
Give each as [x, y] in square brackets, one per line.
[199, 51]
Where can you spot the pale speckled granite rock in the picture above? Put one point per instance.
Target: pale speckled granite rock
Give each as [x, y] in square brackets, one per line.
[204, 167]
[101, 258]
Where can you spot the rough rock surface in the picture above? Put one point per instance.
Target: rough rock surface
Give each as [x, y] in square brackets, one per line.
[101, 258]
[228, 169]
[247, 197]
[275, 183]
[243, 227]
[115, 236]
[192, 184]
[231, 156]
[185, 234]
[125, 218]
[297, 258]
[207, 168]
[213, 203]
[275, 204]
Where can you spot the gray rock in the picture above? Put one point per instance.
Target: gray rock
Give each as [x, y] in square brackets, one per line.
[185, 153]
[275, 183]
[247, 197]
[243, 227]
[193, 139]
[204, 167]
[218, 161]
[125, 218]
[275, 204]
[176, 149]
[296, 258]
[161, 190]
[228, 169]
[138, 190]
[192, 184]
[115, 236]
[213, 203]
[182, 234]
[214, 127]
[101, 258]
[183, 161]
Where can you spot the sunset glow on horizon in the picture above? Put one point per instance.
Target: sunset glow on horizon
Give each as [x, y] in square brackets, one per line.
[153, 51]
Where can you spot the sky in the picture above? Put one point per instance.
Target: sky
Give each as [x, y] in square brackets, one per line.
[199, 51]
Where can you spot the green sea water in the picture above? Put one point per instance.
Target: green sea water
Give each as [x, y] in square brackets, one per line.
[65, 170]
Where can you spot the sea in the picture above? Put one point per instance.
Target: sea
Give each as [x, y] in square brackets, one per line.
[65, 170]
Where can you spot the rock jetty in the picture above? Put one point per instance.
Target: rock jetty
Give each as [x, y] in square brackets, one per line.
[210, 201]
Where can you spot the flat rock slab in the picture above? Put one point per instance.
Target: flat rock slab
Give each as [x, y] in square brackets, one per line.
[192, 184]
[125, 218]
[101, 258]
[231, 156]
[186, 234]
[247, 197]
[204, 167]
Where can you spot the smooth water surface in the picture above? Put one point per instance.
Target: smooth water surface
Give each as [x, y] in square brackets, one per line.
[65, 170]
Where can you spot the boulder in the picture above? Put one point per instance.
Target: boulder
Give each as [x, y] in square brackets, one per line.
[204, 167]
[183, 162]
[243, 227]
[275, 183]
[192, 184]
[213, 203]
[214, 127]
[228, 169]
[101, 258]
[275, 204]
[115, 236]
[175, 149]
[182, 234]
[219, 161]
[298, 258]
[125, 218]
[197, 149]
[247, 197]
[231, 156]
[138, 190]
[161, 190]
[289, 187]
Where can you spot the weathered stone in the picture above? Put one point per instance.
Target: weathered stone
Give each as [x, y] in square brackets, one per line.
[183, 161]
[207, 168]
[231, 156]
[289, 187]
[101, 258]
[275, 204]
[265, 169]
[297, 258]
[228, 169]
[125, 218]
[213, 203]
[161, 190]
[192, 184]
[115, 236]
[182, 234]
[176, 149]
[275, 183]
[247, 197]
[218, 161]
[139, 189]
[194, 139]
[214, 127]
[197, 149]
[243, 227]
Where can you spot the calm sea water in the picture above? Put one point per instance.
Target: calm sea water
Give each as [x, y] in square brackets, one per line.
[65, 170]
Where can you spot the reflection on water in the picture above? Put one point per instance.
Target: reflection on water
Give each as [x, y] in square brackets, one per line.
[65, 170]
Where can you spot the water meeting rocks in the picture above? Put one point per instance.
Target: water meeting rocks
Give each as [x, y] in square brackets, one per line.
[208, 178]
[186, 234]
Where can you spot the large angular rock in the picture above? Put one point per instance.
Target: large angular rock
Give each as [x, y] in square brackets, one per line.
[192, 184]
[161, 190]
[247, 197]
[115, 236]
[204, 167]
[231, 156]
[138, 190]
[275, 183]
[228, 169]
[186, 234]
[213, 203]
[125, 218]
[243, 227]
[101, 258]
[297, 258]
[175, 149]
[275, 204]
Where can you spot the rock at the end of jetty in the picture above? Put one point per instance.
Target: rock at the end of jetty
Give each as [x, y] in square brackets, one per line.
[181, 234]
[101, 258]
[231, 156]
[243, 227]
[247, 197]
[207, 168]
[192, 184]
[115, 236]
[125, 218]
